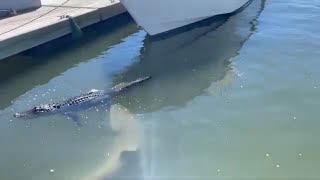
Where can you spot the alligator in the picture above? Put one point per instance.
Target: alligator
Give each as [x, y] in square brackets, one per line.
[80, 102]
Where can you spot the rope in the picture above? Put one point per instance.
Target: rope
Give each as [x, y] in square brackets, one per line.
[34, 18]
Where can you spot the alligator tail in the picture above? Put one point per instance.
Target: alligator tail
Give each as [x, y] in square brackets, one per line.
[125, 86]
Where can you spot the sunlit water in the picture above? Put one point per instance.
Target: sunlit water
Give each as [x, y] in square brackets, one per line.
[231, 98]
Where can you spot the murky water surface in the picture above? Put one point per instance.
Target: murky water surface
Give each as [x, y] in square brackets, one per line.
[232, 98]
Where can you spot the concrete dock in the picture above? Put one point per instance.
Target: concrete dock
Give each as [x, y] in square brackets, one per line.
[31, 29]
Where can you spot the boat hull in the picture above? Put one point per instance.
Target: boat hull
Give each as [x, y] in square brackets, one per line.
[156, 16]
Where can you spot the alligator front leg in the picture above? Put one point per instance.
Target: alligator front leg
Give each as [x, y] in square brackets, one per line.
[75, 118]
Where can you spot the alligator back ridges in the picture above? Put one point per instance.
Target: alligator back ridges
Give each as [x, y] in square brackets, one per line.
[70, 102]
[87, 97]
[83, 98]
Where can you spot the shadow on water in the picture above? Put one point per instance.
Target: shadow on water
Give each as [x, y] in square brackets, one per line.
[185, 65]
[37, 66]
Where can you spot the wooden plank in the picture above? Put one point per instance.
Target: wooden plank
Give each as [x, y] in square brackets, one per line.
[28, 30]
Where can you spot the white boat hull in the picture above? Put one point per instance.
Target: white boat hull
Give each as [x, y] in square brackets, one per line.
[158, 16]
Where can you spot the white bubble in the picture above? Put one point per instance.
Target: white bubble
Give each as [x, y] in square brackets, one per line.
[267, 155]
[51, 170]
[278, 165]
[240, 74]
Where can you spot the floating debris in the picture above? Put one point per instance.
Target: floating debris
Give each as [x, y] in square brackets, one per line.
[267, 155]
[51, 170]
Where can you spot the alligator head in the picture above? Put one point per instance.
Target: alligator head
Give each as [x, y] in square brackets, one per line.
[37, 110]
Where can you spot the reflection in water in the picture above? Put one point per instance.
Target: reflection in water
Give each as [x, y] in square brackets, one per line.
[21, 73]
[194, 59]
[180, 66]
[184, 66]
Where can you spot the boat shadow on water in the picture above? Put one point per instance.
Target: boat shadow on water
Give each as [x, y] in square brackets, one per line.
[186, 62]
[183, 66]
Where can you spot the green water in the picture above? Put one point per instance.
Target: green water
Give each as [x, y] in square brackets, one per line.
[233, 98]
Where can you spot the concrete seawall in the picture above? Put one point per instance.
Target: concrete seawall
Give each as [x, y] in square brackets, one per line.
[28, 30]
[20, 4]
